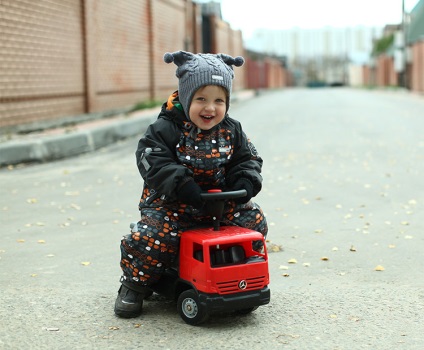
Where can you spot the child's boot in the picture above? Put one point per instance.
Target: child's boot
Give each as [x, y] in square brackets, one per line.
[129, 302]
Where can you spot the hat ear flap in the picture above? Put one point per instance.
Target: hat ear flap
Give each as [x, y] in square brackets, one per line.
[178, 57]
[238, 61]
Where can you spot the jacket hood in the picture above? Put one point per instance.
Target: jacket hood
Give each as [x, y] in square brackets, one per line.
[173, 110]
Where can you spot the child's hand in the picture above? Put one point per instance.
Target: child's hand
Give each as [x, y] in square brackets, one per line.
[189, 193]
[243, 184]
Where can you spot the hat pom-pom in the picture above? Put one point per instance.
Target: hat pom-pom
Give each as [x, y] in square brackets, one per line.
[238, 61]
[168, 57]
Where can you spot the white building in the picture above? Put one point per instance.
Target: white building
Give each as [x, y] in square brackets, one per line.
[330, 49]
[297, 43]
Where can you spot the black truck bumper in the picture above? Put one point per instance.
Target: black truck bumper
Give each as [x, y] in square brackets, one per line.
[215, 303]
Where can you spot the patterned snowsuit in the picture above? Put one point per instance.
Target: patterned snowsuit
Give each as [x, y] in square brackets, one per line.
[172, 150]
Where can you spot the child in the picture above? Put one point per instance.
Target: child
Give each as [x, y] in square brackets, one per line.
[193, 146]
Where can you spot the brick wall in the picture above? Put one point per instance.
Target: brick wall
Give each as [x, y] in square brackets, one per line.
[67, 57]
[41, 61]
[266, 72]
[417, 69]
[226, 40]
[117, 35]
[385, 73]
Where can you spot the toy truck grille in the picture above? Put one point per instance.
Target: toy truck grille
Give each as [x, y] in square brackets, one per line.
[234, 286]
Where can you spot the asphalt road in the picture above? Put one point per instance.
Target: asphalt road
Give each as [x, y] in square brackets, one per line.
[344, 200]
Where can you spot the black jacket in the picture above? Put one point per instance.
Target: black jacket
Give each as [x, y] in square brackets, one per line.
[173, 149]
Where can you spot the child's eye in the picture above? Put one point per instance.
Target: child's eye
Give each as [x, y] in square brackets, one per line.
[220, 100]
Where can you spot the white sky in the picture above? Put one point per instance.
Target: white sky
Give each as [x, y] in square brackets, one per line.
[249, 15]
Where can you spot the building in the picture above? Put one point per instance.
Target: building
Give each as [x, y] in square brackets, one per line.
[321, 54]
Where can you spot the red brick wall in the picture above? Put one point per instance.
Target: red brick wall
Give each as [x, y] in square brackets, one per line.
[226, 40]
[385, 71]
[109, 54]
[417, 68]
[42, 66]
[264, 73]
[117, 35]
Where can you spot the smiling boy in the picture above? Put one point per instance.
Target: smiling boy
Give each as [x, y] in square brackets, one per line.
[192, 147]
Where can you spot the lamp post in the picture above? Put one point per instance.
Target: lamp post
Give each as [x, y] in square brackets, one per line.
[404, 48]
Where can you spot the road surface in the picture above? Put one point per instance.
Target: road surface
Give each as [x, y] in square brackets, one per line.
[343, 196]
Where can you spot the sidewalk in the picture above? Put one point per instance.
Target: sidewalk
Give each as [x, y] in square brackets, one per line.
[59, 143]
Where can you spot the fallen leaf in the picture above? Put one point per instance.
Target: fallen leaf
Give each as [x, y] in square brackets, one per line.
[324, 258]
[379, 268]
[20, 240]
[274, 248]
[391, 246]
[32, 200]
[72, 193]
[335, 249]
[75, 206]
[137, 325]
[292, 261]
[41, 241]
[282, 267]
[85, 263]
[113, 328]
[33, 275]
[408, 237]
[285, 275]
[405, 223]
[352, 249]
[52, 329]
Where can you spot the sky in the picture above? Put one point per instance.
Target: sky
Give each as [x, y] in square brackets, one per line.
[249, 15]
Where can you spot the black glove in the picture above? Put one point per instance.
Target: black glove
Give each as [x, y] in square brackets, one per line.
[243, 184]
[189, 193]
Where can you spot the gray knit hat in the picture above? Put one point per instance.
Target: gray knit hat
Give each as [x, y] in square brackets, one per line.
[197, 70]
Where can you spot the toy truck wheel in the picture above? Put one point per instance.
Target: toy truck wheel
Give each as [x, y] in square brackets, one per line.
[246, 311]
[190, 309]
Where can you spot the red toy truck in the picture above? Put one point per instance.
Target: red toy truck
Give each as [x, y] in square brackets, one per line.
[218, 268]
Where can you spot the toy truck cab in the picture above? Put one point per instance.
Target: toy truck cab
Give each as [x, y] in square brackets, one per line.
[219, 269]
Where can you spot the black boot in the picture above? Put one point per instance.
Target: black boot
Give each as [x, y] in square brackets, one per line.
[129, 302]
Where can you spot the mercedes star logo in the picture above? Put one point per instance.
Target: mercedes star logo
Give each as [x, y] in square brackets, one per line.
[242, 284]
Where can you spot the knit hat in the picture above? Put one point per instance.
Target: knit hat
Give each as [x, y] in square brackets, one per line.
[197, 70]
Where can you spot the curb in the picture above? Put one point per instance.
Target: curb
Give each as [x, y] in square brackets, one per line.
[54, 147]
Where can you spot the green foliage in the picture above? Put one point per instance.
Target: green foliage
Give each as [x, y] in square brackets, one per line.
[145, 105]
[383, 44]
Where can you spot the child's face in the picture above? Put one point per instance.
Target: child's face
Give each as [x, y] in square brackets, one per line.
[208, 106]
